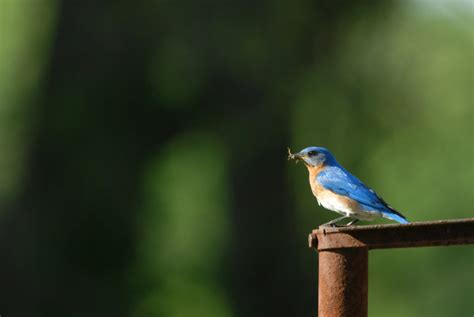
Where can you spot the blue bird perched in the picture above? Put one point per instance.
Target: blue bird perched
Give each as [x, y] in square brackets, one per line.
[338, 190]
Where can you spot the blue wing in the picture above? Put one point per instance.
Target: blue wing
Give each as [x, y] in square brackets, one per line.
[340, 181]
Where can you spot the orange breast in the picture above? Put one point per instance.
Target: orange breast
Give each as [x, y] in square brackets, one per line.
[313, 173]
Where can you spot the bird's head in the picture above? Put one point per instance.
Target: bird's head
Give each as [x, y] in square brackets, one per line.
[312, 156]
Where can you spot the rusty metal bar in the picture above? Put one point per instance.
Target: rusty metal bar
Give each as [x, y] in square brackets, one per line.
[339, 270]
[417, 234]
[343, 257]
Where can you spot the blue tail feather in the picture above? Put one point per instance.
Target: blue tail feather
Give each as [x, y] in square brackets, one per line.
[395, 217]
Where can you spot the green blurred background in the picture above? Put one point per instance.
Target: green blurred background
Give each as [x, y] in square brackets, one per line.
[143, 151]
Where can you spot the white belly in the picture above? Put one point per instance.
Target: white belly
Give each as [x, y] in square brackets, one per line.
[333, 203]
[342, 205]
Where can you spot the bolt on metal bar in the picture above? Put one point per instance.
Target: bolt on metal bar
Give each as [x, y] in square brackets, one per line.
[343, 257]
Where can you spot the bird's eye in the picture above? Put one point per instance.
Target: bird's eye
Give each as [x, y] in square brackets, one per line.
[312, 153]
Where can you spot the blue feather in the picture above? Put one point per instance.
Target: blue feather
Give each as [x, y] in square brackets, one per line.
[395, 217]
[338, 180]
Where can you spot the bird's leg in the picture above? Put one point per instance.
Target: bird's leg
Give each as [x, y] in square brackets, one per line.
[352, 222]
[332, 222]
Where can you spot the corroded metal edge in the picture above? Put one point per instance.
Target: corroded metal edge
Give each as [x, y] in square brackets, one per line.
[417, 234]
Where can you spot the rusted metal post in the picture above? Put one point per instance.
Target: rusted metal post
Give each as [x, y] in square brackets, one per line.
[343, 278]
[343, 257]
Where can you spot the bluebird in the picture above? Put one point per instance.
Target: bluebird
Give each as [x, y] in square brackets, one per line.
[338, 190]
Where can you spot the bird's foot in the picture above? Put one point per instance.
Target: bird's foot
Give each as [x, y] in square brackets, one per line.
[332, 223]
[352, 222]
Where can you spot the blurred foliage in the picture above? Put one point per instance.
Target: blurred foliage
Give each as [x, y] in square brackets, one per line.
[144, 166]
[24, 47]
[185, 222]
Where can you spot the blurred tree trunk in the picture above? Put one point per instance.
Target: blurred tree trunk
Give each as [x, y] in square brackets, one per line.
[96, 127]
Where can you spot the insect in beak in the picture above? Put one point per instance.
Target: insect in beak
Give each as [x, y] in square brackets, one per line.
[294, 156]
